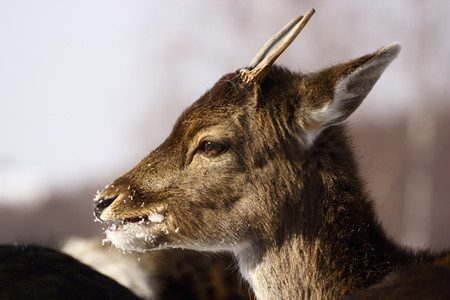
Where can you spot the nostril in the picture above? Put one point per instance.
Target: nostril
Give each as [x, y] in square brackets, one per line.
[101, 204]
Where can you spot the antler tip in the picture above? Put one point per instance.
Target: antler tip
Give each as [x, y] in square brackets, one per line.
[310, 13]
[267, 56]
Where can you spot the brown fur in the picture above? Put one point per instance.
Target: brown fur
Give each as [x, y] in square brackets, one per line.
[284, 196]
[185, 274]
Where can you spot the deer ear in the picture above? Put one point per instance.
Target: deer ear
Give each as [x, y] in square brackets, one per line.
[333, 94]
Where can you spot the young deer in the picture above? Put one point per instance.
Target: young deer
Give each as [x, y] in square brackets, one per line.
[261, 166]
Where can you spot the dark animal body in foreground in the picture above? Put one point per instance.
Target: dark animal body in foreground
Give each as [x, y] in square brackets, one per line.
[422, 281]
[35, 272]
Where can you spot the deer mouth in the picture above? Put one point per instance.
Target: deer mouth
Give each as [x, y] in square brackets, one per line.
[149, 219]
[154, 216]
[139, 233]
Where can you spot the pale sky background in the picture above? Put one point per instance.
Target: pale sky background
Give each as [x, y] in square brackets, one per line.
[88, 88]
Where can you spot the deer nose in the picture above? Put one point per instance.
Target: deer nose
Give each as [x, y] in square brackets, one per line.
[100, 205]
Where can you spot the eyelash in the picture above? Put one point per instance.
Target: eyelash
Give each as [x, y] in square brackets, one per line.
[212, 149]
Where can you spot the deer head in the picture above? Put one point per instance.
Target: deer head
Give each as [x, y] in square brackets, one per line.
[239, 163]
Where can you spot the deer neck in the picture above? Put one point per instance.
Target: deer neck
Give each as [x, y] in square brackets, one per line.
[329, 243]
[328, 266]
[283, 272]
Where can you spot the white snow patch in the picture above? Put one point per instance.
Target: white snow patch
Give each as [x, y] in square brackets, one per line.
[156, 218]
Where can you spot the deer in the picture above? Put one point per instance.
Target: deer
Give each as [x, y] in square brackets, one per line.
[261, 166]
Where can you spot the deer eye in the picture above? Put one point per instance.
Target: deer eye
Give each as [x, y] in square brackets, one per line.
[212, 148]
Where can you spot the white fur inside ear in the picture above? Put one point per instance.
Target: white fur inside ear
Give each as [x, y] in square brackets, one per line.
[349, 91]
[322, 116]
[360, 82]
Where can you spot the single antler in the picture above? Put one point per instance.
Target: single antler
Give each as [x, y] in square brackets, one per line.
[272, 42]
[265, 59]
